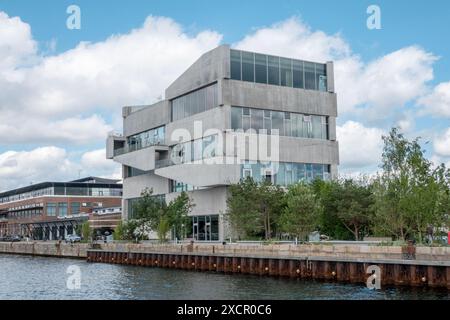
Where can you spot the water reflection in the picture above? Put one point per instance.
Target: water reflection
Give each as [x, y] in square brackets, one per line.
[25, 277]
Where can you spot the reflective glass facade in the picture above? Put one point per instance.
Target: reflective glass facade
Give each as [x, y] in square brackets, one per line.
[61, 189]
[261, 68]
[284, 173]
[287, 123]
[199, 149]
[146, 139]
[195, 102]
[205, 228]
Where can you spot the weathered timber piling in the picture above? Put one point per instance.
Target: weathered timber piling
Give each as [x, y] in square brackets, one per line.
[393, 272]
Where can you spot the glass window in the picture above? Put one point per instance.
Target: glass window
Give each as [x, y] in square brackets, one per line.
[236, 118]
[273, 70]
[321, 74]
[195, 102]
[268, 121]
[260, 68]
[51, 209]
[307, 127]
[235, 65]
[317, 171]
[248, 66]
[277, 121]
[62, 209]
[310, 78]
[298, 76]
[317, 127]
[257, 119]
[286, 72]
[75, 207]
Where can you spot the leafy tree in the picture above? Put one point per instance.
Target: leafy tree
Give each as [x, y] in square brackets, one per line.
[254, 208]
[178, 214]
[119, 231]
[86, 231]
[329, 222]
[149, 209]
[301, 214]
[153, 214]
[411, 196]
[163, 229]
[354, 205]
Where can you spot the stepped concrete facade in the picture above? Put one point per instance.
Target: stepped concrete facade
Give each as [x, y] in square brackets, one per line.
[230, 115]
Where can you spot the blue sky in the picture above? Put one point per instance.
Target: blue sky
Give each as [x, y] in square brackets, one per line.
[413, 40]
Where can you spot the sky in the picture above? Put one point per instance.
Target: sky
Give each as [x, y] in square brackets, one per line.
[62, 90]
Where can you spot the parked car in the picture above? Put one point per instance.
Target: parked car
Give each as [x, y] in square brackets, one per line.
[9, 238]
[73, 238]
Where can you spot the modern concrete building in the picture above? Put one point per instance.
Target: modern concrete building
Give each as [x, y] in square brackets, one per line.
[52, 210]
[201, 138]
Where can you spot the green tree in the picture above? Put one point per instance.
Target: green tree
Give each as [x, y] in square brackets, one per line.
[152, 213]
[329, 222]
[254, 208]
[178, 214]
[302, 210]
[354, 205]
[163, 229]
[411, 195]
[149, 209]
[119, 231]
[86, 231]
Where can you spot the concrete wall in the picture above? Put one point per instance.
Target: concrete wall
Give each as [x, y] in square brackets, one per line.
[271, 97]
[349, 251]
[207, 202]
[210, 67]
[147, 118]
[133, 187]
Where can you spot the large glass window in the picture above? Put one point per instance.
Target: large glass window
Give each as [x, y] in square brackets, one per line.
[204, 148]
[235, 65]
[248, 65]
[298, 80]
[195, 102]
[134, 172]
[51, 209]
[286, 72]
[273, 70]
[205, 228]
[287, 123]
[146, 139]
[75, 207]
[62, 209]
[260, 68]
[286, 173]
[321, 77]
[310, 78]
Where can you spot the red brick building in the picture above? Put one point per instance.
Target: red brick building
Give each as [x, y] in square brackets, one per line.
[52, 210]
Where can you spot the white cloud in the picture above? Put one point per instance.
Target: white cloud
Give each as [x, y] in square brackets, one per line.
[16, 44]
[441, 144]
[76, 130]
[437, 102]
[41, 164]
[21, 168]
[360, 147]
[101, 77]
[382, 86]
[95, 161]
